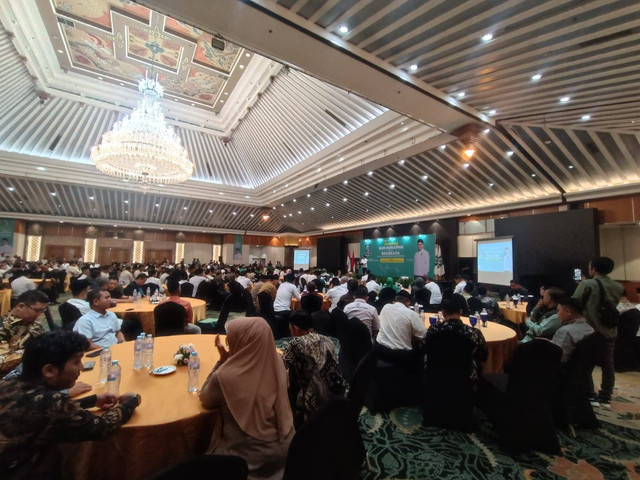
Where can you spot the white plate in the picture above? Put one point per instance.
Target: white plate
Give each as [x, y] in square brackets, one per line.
[165, 370]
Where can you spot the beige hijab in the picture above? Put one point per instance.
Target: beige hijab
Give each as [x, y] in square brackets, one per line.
[254, 380]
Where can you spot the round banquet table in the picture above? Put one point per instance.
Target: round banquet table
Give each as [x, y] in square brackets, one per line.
[143, 311]
[515, 315]
[5, 300]
[501, 343]
[169, 426]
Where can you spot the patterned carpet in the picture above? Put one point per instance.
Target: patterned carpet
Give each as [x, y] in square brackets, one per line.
[399, 447]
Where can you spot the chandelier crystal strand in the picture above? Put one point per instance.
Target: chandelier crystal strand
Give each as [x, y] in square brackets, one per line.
[141, 147]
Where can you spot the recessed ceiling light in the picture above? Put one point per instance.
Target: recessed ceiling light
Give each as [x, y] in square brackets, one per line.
[392, 186]
[193, 104]
[60, 51]
[424, 177]
[184, 208]
[221, 101]
[11, 189]
[584, 118]
[442, 147]
[53, 194]
[486, 130]
[210, 211]
[252, 215]
[126, 211]
[220, 193]
[241, 66]
[570, 166]
[465, 165]
[328, 204]
[247, 54]
[343, 29]
[536, 77]
[460, 94]
[345, 182]
[565, 99]
[487, 37]
[449, 193]
[161, 185]
[299, 212]
[291, 214]
[91, 198]
[122, 84]
[401, 162]
[413, 67]
[294, 200]
[312, 208]
[308, 195]
[509, 153]
[325, 189]
[344, 199]
[319, 169]
[533, 174]
[491, 184]
[99, 78]
[366, 194]
[274, 207]
[126, 201]
[226, 93]
[491, 112]
[369, 173]
[125, 180]
[42, 169]
[247, 196]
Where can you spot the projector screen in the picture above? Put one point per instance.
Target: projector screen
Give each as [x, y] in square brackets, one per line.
[495, 260]
[300, 259]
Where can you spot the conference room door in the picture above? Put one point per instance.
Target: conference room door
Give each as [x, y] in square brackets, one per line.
[107, 255]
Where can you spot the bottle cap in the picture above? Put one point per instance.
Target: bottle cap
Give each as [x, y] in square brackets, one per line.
[114, 362]
[194, 354]
[148, 335]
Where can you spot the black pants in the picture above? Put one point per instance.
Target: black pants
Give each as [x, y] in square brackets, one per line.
[603, 349]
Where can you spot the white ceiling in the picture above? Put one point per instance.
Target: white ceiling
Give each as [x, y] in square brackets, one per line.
[292, 135]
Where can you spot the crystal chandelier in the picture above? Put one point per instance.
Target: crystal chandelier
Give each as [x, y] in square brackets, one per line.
[141, 147]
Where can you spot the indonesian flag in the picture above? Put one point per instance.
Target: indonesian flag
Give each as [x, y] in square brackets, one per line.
[353, 260]
[348, 262]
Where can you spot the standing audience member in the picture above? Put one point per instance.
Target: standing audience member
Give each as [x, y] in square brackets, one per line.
[35, 416]
[574, 327]
[588, 293]
[249, 388]
[102, 328]
[364, 312]
[314, 376]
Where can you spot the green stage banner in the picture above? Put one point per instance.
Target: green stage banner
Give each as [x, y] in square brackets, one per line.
[237, 249]
[7, 227]
[407, 256]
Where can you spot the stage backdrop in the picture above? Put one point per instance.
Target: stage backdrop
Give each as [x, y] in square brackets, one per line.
[399, 256]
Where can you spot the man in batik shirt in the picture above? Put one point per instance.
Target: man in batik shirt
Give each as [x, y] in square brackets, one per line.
[314, 376]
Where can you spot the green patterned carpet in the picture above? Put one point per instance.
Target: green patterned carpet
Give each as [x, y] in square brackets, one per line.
[399, 447]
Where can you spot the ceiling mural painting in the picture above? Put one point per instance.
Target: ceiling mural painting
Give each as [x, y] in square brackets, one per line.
[123, 41]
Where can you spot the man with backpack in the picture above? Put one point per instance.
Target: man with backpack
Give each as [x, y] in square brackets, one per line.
[599, 297]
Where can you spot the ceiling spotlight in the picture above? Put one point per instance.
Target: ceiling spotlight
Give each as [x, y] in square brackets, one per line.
[295, 200]
[312, 208]
[460, 94]
[366, 194]
[308, 195]
[233, 213]
[424, 177]
[486, 130]
[344, 199]
[491, 184]
[328, 204]
[487, 37]
[509, 153]
[465, 165]
[369, 173]
[53, 194]
[565, 99]
[265, 217]
[584, 118]
[536, 77]
[325, 189]
[491, 113]
[42, 169]
[91, 198]
[413, 67]
[570, 166]
[533, 174]
[401, 162]
[343, 29]
[442, 147]
[392, 186]
[11, 189]
[345, 182]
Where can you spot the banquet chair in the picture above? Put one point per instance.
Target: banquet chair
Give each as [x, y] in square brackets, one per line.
[519, 404]
[311, 303]
[169, 319]
[50, 322]
[355, 343]
[447, 387]
[625, 356]
[475, 305]
[224, 467]
[328, 446]
[362, 378]
[69, 314]
[323, 324]
[422, 296]
[265, 302]
[186, 289]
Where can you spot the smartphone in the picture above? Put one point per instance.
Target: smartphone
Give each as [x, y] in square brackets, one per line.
[577, 274]
[89, 365]
[95, 353]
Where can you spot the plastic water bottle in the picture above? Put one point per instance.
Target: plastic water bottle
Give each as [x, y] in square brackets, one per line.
[137, 351]
[113, 379]
[508, 300]
[105, 363]
[421, 314]
[134, 297]
[194, 371]
[147, 355]
[148, 294]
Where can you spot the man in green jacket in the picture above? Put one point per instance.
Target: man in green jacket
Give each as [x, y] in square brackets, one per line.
[604, 339]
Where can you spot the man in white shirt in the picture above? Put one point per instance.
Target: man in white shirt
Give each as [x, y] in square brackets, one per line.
[80, 290]
[460, 284]
[285, 293]
[338, 288]
[372, 285]
[102, 328]
[197, 279]
[153, 278]
[364, 312]
[243, 279]
[126, 277]
[421, 261]
[6, 250]
[399, 324]
[21, 283]
[436, 293]
[308, 276]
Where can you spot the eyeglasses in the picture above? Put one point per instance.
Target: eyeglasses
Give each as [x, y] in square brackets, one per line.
[37, 310]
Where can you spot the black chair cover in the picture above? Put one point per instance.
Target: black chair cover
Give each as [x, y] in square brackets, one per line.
[225, 467]
[311, 303]
[169, 318]
[355, 343]
[69, 314]
[186, 289]
[625, 357]
[323, 324]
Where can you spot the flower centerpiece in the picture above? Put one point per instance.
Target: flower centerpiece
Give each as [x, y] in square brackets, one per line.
[181, 358]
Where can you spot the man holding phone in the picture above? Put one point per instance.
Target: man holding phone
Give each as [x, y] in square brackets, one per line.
[35, 416]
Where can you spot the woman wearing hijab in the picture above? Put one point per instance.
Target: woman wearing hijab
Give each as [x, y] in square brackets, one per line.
[249, 387]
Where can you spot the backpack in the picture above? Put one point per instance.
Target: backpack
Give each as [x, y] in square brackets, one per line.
[607, 312]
